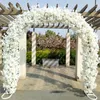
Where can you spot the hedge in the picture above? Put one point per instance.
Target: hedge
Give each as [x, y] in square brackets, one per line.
[28, 57]
[52, 53]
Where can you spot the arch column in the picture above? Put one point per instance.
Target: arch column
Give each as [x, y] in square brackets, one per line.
[67, 49]
[23, 51]
[78, 58]
[33, 48]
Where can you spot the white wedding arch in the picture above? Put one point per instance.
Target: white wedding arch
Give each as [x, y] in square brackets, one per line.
[18, 27]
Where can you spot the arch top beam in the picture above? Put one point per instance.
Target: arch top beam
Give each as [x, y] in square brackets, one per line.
[90, 15]
[83, 9]
[75, 8]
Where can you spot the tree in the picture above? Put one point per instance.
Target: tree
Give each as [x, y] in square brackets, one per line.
[73, 36]
[50, 33]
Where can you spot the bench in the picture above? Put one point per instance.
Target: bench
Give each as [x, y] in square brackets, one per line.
[50, 62]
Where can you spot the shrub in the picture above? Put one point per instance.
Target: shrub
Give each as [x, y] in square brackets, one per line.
[72, 56]
[41, 54]
[29, 45]
[29, 53]
[52, 54]
[58, 54]
[62, 56]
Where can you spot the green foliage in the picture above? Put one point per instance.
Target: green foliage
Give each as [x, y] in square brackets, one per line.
[29, 45]
[50, 33]
[73, 36]
[72, 56]
[52, 54]
[29, 53]
[99, 56]
[62, 56]
[58, 54]
[40, 54]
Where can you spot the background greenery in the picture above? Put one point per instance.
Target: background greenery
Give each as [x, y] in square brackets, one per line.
[52, 53]
[52, 50]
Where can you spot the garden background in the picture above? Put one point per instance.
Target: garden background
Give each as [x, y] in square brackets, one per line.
[52, 45]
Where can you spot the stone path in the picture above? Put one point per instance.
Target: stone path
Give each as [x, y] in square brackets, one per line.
[50, 84]
[40, 78]
[49, 95]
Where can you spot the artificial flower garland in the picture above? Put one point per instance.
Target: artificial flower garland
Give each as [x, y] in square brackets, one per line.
[20, 25]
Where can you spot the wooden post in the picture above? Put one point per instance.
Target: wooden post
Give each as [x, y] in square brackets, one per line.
[33, 48]
[78, 59]
[23, 56]
[67, 49]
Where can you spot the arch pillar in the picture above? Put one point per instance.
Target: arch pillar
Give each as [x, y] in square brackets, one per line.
[33, 48]
[23, 51]
[68, 49]
[78, 58]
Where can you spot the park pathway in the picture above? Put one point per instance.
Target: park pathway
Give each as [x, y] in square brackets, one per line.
[58, 78]
[50, 84]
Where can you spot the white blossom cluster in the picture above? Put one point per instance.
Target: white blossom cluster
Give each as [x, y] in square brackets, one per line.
[23, 22]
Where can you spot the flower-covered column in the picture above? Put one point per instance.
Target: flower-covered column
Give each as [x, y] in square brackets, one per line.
[22, 50]
[78, 58]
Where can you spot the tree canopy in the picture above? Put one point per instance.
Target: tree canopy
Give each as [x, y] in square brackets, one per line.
[50, 33]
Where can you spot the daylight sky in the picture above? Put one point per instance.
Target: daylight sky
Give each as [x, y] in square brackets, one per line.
[62, 3]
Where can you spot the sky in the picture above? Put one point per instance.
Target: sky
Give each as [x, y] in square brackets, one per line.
[62, 4]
